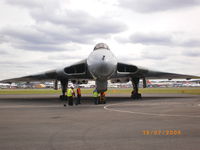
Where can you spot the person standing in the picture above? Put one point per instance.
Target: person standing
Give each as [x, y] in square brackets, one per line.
[102, 97]
[70, 95]
[78, 100]
[96, 96]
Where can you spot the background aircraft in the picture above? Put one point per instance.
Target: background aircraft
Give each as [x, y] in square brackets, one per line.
[101, 66]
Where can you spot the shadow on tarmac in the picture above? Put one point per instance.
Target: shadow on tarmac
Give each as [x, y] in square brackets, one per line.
[85, 99]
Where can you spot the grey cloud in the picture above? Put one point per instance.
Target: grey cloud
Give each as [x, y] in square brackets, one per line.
[30, 39]
[129, 58]
[150, 6]
[24, 3]
[29, 34]
[7, 62]
[2, 39]
[161, 39]
[38, 39]
[44, 62]
[53, 28]
[191, 43]
[33, 3]
[41, 47]
[3, 52]
[80, 22]
[63, 57]
[191, 53]
[154, 57]
[154, 54]
[26, 63]
[77, 21]
[146, 54]
[149, 39]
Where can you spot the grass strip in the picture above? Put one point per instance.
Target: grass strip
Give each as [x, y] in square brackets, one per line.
[195, 91]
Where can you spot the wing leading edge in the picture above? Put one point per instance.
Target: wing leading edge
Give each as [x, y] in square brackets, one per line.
[75, 71]
[128, 70]
[49, 75]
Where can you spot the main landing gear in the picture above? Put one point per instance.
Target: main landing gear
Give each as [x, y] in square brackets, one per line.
[134, 93]
[64, 85]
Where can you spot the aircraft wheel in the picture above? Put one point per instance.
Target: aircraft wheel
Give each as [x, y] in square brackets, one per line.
[136, 96]
[63, 98]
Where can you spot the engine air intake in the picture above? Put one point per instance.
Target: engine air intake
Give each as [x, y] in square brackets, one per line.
[126, 68]
[80, 68]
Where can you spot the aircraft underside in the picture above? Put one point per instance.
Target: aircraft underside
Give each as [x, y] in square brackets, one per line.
[100, 66]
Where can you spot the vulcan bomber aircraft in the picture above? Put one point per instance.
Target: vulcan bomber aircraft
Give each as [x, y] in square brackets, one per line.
[101, 65]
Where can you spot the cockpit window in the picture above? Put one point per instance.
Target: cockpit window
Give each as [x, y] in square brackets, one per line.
[101, 46]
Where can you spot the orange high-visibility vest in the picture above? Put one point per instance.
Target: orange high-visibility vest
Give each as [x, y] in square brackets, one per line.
[103, 93]
[78, 91]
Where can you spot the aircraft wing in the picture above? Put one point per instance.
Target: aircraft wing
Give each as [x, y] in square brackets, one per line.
[75, 71]
[128, 70]
[49, 75]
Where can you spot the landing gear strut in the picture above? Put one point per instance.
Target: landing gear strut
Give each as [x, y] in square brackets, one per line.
[64, 84]
[135, 94]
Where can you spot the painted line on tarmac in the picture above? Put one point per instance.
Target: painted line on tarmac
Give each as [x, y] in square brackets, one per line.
[29, 106]
[46, 106]
[142, 113]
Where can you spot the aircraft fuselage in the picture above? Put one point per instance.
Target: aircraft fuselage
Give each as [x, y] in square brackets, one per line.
[102, 64]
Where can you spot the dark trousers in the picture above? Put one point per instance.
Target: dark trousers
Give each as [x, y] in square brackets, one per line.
[70, 100]
[78, 100]
[96, 100]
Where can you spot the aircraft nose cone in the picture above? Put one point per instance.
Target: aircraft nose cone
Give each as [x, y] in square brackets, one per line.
[102, 64]
[103, 69]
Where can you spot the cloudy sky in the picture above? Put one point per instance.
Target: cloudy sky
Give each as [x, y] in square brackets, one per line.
[38, 35]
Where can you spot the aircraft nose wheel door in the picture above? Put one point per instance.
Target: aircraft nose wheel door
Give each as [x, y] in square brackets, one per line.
[134, 93]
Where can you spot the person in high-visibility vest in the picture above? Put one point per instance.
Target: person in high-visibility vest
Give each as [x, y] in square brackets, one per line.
[103, 97]
[96, 96]
[78, 100]
[70, 95]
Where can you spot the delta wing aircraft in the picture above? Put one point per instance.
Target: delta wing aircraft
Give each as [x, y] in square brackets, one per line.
[101, 66]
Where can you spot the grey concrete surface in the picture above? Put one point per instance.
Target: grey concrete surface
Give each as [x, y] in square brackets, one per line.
[30, 122]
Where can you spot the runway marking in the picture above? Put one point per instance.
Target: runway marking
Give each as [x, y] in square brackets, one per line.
[28, 106]
[47, 106]
[142, 113]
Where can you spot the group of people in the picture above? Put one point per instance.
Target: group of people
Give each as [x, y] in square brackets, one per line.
[71, 95]
[99, 98]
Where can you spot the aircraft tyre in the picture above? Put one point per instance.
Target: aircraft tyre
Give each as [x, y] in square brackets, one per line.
[136, 96]
[63, 98]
